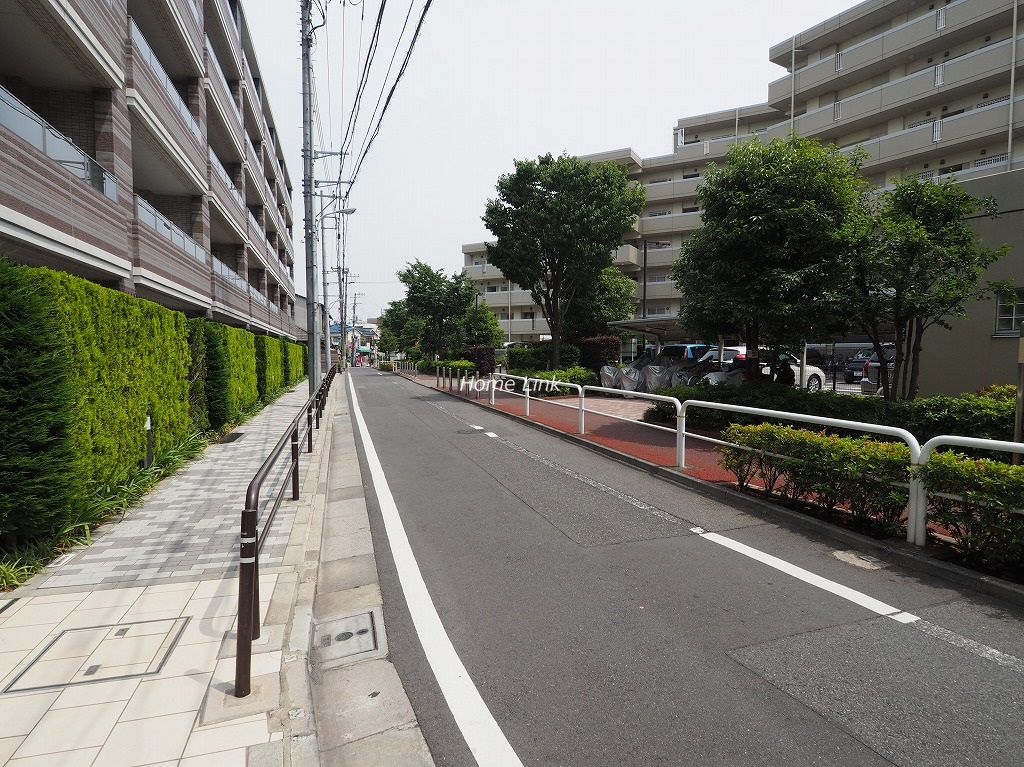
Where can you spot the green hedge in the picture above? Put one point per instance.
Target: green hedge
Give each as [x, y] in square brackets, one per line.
[980, 503]
[537, 356]
[41, 474]
[868, 478]
[269, 367]
[129, 360]
[242, 390]
[575, 375]
[981, 416]
[198, 409]
[460, 367]
[293, 361]
[217, 375]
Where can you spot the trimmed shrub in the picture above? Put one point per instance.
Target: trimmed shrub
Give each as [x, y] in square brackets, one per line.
[867, 477]
[293, 361]
[217, 375]
[598, 351]
[41, 475]
[575, 375]
[241, 350]
[198, 411]
[385, 367]
[129, 360]
[460, 367]
[978, 502]
[483, 358]
[269, 367]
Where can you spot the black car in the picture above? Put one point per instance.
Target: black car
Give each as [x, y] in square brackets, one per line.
[855, 366]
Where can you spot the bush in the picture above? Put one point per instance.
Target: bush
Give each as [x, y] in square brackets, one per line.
[483, 358]
[128, 360]
[198, 410]
[975, 501]
[985, 417]
[575, 375]
[41, 476]
[385, 367]
[866, 477]
[240, 346]
[598, 351]
[217, 375]
[293, 361]
[460, 367]
[269, 367]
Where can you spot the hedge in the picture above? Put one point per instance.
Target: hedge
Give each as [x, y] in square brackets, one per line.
[868, 478]
[537, 356]
[483, 358]
[240, 346]
[198, 409]
[41, 474]
[293, 359]
[129, 361]
[575, 375]
[981, 416]
[269, 367]
[598, 351]
[977, 503]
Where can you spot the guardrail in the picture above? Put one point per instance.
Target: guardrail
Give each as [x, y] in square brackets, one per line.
[252, 541]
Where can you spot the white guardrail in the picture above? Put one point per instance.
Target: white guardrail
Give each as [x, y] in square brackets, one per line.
[917, 507]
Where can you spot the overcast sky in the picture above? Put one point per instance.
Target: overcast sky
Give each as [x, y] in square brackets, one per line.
[492, 81]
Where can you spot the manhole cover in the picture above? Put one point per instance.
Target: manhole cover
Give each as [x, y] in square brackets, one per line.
[99, 654]
[347, 636]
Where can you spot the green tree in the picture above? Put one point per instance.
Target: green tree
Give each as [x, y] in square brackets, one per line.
[387, 343]
[608, 298]
[482, 327]
[779, 222]
[412, 335]
[440, 302]
[922, 266]
[556, 223]
[395, 316]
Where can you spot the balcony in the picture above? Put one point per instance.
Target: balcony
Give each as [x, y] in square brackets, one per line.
[226, 194]
[161, 109]
[626, 257]
[915, 38]
[222, 29]
[223, 118]
[674, 222]
[674, 190]
[57, 199]
[168, 262]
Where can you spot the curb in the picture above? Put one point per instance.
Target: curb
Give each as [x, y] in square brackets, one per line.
[898, 552]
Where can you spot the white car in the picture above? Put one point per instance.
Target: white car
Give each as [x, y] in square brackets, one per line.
[813, 377]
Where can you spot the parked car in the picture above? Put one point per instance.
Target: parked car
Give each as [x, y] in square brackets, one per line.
[855, 366]
[813, 378]
[870, 370]
[685, 354]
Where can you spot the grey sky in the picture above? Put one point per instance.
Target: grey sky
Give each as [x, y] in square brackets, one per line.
[491, 81]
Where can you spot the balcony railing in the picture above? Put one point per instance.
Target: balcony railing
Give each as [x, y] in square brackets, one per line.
[220, 171]
[259, 296]
[230, 275]
[154, 63]
[30, 127]
[156, 220]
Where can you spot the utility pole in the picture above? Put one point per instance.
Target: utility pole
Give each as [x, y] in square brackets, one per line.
[312, 332]
[355, 299]
[327, 318]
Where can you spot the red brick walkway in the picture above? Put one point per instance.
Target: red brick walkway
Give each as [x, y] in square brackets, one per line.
[605, 426]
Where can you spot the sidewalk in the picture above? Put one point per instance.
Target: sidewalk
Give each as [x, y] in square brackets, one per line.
[121, 654]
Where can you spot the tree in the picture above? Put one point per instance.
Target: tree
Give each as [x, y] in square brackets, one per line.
[439, 301]
[608, 298]
[387, 343]
[557, 222]
[482, 327]
[395, 316]
[779, 222]
[922, 266]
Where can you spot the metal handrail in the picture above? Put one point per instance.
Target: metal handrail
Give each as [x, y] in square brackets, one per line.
[252, 541]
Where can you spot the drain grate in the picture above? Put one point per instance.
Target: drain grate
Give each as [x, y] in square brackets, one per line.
[100, 654]
[232, 437]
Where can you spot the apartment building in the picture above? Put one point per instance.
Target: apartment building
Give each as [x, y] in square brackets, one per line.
[519, 317]
[925, 88]
[138, 150]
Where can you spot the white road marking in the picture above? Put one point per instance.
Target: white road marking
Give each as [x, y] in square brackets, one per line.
[491, 434]
[484, 737]
[857, 597]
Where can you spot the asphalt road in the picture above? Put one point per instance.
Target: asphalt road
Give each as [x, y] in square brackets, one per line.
[601, 629]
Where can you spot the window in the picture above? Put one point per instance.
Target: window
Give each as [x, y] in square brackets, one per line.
[491, 289]
[658, 244]
[1010, 314]
[658, 181]
[657, 278]
[527, 316]
[656, 213]
[655, 311]
[839, 60]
